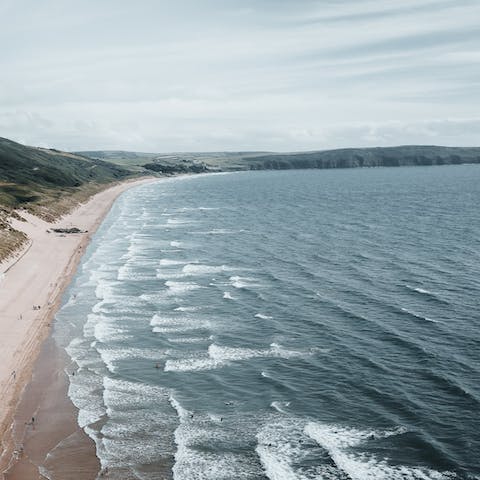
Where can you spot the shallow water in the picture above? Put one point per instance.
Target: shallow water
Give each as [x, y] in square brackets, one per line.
[283, 325]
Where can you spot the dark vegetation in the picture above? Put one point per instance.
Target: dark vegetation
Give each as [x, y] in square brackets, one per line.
[29, 175]
[47, 183]
[178, 168]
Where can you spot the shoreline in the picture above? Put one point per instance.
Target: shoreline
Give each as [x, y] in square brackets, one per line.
[49, 443]
[30, 294]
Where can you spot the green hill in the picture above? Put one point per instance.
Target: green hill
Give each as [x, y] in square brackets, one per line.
[31, 177]
[47, 183]
[409, 155]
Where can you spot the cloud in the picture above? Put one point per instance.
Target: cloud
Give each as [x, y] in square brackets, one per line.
[231, 74]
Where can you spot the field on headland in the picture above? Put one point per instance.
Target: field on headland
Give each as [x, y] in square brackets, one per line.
[194, 162]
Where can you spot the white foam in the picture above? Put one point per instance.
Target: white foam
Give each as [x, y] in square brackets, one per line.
[177, 222]
[219, 356]
[136, 413]
[192, 209]
[280, 450]
[243, 282]
[111, 355]
[104, 290]
[198, 269]
[417, 315]
[194, 464]
[101, 307]
[263, 317]
[83, 390]
[175, 244]
[89, 327]
[181, 412]
[190, 364]
[188, 339]
[423, 291]
[280, 406]
[123, 394]
[164, 324]
[108, 331]
[188, 309]
[338, 442]
[163, 274]
[72, 300]
[167, 262]
[79, 350]
[179, 288]
[217, 231]
[129, 272]
[228, 296]
[198, 430]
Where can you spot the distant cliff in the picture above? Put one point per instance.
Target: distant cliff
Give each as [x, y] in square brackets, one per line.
[366, 157]
[197, 162]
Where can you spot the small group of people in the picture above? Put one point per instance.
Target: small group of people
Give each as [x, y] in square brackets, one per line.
[36, 307]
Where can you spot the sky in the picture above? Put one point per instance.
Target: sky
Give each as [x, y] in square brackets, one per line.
[215, 75]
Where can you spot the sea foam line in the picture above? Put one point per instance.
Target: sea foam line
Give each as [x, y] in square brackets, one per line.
[338, 442]
[220, 356]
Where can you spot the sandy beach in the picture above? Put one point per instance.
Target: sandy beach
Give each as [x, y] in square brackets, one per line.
[30, 289]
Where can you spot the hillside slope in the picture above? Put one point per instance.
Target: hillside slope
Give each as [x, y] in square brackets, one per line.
[409, 155]
[47, 183]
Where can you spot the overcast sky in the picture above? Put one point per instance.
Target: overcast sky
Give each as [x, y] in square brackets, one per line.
[201, 75]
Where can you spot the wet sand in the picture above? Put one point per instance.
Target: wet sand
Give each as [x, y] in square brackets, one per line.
[46, 435]
[30, 292]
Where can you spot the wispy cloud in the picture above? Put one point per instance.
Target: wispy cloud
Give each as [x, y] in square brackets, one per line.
[231, 74]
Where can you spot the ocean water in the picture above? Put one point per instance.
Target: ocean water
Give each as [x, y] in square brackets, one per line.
[283, 325]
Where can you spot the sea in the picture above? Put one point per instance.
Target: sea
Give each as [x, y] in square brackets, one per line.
[283, 325]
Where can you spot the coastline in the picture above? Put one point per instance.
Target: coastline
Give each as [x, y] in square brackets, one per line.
[37, 278]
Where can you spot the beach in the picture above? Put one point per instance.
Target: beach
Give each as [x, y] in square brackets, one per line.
[31, 285]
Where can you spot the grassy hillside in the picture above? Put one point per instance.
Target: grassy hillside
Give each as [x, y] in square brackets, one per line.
[181, 162]
[48, 183]
[409, 155]
[37, 178]
[131, 160]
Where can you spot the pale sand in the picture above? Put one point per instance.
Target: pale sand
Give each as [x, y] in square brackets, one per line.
[37, 277]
